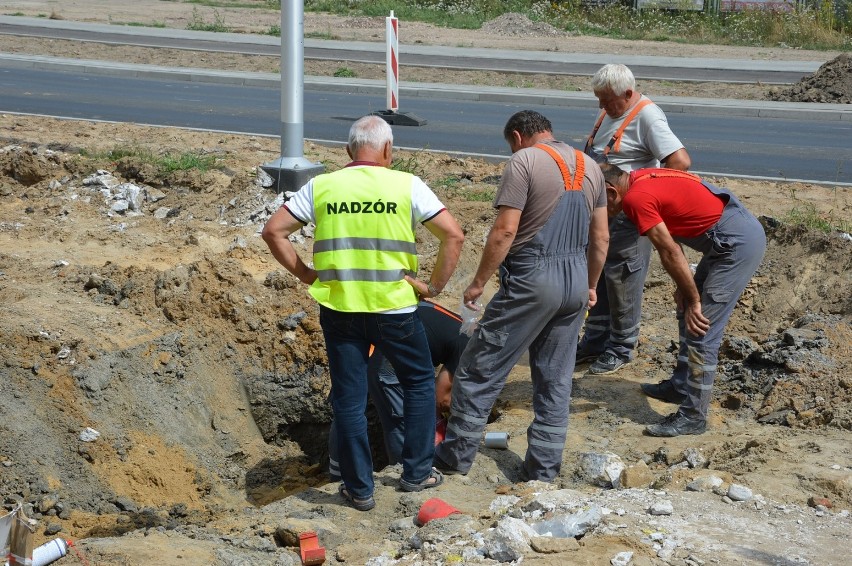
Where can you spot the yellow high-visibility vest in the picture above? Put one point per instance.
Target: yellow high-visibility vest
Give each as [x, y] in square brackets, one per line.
[364, 240]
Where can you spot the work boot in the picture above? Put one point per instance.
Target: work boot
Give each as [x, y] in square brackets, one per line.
[677, 424]
[664, 391]
[607, 363]
[584, 356]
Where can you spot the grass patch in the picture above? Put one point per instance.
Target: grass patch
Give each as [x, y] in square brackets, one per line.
[198, 23]
[476, 195]
[164, 162]
[345, 72]
[274, 30]
[142, 25]
[409, 164]
[806, 214]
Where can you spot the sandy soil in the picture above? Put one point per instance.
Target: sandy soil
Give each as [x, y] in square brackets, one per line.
[169, 329]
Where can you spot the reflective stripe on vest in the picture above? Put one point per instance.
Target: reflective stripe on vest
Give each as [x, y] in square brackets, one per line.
[615, 142]
[574, 183]
[364, 240]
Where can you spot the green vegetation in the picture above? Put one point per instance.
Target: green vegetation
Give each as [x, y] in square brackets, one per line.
[806, 214]
[198, 23]
[811, 24]
[344, 72]
[321, 35]
[164, 162]
[409, 164]
[274, 30]
[476, 195]
[143, 25]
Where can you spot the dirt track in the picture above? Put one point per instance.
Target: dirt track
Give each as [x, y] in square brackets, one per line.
[168, 328]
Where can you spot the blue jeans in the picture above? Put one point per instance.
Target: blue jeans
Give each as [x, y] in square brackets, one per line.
[402, 340]
[388, 398]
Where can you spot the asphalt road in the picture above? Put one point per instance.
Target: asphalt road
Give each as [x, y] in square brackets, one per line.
[661, 68]
[777, 148]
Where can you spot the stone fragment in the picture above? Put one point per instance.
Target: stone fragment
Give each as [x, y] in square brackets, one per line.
[663, 507]
[814, 501]
[704, 483]
[553, 545]
[636, 476]
[739, 492]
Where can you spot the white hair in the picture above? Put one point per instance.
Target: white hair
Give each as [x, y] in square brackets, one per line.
[370, 131]
[613, 77]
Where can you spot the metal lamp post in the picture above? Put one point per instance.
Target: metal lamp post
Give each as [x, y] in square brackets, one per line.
[292, 170]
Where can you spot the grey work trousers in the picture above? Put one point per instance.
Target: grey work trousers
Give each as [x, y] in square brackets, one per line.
[539, 308]
[733, 249]
[613, 323]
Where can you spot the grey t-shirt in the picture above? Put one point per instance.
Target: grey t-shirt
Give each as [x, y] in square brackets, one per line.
[646, 140]
[532, 183]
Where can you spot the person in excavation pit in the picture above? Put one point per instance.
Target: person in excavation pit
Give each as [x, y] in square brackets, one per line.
[446, 344]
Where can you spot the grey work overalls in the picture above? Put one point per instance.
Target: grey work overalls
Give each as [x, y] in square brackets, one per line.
[539, 307]
[733, 249]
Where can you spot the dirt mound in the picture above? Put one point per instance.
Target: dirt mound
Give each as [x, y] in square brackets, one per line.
[831, 83]
[515, 24]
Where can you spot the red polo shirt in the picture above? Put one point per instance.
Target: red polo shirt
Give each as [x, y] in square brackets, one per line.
[686, 206]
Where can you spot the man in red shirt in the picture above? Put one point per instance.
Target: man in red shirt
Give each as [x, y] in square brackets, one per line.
[675, 208]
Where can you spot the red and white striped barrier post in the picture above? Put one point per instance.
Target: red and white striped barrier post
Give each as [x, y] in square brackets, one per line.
[392, 115]
[392, 66]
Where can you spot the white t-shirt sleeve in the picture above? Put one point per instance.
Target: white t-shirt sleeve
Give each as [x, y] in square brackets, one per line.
[659, 138]
[301, 204]
[424, 203]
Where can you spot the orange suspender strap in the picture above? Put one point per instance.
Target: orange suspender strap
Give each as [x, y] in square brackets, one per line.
[571, 184]
[591, 139]
[668, 173]
[446, 312]
[615, 141]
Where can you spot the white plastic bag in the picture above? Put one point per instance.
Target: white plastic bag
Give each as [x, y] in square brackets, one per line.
[470, 317]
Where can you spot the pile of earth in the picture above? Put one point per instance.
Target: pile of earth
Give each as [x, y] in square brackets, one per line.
[831, 83]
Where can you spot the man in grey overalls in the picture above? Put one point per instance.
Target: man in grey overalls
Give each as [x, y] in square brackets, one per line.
[549, 241]
[671, 208]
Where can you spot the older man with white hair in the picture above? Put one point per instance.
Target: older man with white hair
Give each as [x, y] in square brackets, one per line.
[632, 133]
[363, 277]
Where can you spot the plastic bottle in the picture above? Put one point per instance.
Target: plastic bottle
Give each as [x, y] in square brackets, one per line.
[470, 315]
[50, 552]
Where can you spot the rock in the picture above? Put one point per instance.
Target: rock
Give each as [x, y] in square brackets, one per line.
[553, 545]
[739, 492]
[663, 507]
[694, 458]
[704, 483]
[601, 469]
[621, 559]
[89, 435]
[162, 212]
[637, 475]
